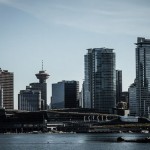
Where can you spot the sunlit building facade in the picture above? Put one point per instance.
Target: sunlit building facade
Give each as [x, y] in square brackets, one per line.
[7, 89]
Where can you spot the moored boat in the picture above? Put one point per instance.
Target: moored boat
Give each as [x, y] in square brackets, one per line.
[141, 140]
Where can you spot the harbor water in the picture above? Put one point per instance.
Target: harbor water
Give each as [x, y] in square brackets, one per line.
[71, 141]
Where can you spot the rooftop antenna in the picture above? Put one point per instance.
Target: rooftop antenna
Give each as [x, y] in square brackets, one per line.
[42, 65]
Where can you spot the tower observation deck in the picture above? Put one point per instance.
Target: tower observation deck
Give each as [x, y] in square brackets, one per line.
[42, 75]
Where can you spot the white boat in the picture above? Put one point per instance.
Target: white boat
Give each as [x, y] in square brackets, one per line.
[144, 131]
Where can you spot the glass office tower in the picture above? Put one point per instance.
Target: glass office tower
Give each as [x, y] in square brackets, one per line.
[100, 80]
[143, 76]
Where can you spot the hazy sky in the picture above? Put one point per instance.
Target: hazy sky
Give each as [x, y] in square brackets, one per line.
[59, 32]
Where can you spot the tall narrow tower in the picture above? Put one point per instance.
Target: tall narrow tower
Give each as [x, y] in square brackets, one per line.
[42, 86]
[118, 85]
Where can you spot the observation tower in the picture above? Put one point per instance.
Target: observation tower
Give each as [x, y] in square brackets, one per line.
[42, 75]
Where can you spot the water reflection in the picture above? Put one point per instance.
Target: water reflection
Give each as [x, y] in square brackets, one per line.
[69, 141]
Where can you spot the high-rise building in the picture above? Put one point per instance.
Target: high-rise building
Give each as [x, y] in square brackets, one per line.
[132, 100]
[7, 89]
[118, 85]
[1, 97]
[65, 94]
[29, 99]
[100, 80]
[143, 75]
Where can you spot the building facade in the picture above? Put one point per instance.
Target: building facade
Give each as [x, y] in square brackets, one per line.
[132, 100]
[100, 80]
[65, 94]
[1, 97]
[29, 100]
[118, 85]
[34, 98]
[125, 96]
[41, 86]
[7, 89]
[143, 76]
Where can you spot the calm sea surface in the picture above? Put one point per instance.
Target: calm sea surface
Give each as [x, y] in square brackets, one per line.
[70, 142]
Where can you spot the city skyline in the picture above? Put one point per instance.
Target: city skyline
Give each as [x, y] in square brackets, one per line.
[60, 32]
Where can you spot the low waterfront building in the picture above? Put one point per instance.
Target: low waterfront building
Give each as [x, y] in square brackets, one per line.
[121, 109]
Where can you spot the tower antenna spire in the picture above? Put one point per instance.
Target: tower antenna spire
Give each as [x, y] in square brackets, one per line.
[42, 65]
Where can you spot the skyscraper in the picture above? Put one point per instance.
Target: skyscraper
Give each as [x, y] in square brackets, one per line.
[118, 85]
[7, 89]
[100, 80]
[143, 75]
[65, 94]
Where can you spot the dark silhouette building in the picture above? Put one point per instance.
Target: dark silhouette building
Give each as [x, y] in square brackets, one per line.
[65, 94]
[118, 85]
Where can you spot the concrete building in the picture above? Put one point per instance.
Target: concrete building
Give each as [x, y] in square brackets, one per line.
[100, 80]
[29, 100]
[1, 97]
[118, 85]
[143, 75]
[35, 96]
[132, 100]
[65, 94]
[7, 89]
[41, 86]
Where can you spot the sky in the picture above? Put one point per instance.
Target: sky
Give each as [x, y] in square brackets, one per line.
[59, 32]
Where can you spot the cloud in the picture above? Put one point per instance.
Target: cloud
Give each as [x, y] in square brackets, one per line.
[117, 17]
